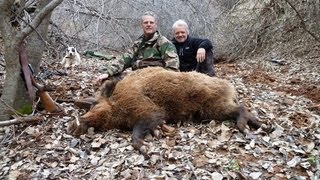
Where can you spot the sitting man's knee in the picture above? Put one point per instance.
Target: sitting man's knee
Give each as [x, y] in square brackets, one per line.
[206, 67]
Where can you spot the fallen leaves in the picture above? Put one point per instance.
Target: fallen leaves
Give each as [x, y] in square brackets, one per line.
[213, 150]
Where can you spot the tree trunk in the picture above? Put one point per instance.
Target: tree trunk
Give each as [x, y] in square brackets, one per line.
[13, 82]
[13, 86]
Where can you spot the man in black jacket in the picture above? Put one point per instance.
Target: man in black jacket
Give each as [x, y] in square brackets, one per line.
[195, 54]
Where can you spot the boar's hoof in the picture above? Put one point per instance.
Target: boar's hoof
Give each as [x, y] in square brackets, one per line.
[266, 128]
[144, 151]
[156, 133]
[141, 146]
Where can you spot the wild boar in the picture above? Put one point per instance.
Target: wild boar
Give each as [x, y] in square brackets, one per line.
[153, 97]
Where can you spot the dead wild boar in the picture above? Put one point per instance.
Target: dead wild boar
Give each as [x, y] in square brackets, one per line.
[152, 97]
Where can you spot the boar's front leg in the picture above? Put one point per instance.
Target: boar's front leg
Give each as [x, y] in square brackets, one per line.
[246, 118]
[144, 126]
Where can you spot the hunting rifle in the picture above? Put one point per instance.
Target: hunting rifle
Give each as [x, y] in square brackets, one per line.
[45, 99]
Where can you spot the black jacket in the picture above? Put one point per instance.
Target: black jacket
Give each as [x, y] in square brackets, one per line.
[187, 51]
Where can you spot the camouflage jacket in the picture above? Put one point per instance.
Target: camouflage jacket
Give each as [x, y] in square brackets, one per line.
[158, 51]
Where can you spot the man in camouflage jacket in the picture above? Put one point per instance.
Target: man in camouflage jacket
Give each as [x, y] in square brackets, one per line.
[150, 49]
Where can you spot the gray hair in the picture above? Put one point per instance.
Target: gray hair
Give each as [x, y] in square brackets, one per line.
[180, 23]
[150, 13]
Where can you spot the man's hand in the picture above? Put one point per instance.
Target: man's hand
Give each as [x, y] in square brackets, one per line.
[101, 78]
[201, 55]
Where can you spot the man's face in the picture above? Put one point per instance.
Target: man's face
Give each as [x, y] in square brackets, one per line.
[180, 34]
[149, 25]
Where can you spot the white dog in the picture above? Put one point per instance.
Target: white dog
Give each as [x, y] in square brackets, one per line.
[72, 58]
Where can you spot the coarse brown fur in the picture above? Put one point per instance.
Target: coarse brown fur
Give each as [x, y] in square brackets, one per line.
[150, 97]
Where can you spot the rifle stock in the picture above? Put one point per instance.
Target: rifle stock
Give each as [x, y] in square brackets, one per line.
[45, 99]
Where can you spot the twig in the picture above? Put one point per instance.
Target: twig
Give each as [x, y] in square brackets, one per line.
[19, 120]
[314, 107]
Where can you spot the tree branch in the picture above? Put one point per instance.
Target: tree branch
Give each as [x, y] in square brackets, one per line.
[4, 4]
[303, 24]
[38, 19]
[19, 120]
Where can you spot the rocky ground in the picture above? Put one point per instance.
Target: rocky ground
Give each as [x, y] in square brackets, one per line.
[282, 92]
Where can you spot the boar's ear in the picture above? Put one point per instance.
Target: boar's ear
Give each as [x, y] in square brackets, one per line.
[109, 85]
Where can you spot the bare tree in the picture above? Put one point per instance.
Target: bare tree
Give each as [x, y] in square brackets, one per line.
[112, 25]
[14, 96]
[253, 27]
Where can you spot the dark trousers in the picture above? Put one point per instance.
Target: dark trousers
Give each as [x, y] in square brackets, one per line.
[206, 67]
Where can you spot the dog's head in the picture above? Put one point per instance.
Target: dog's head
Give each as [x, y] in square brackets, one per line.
[71, 51]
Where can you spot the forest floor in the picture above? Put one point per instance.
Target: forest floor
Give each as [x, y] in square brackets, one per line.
[283, 92]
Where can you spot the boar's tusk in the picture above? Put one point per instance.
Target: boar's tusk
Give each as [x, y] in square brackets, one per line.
[77, 121]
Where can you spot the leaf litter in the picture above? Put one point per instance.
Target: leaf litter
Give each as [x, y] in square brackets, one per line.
[214, 150]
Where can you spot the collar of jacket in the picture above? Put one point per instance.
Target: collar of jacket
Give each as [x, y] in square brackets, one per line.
[154, 37]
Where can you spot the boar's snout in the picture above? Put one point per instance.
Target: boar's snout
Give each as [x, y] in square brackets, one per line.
[77, 128]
